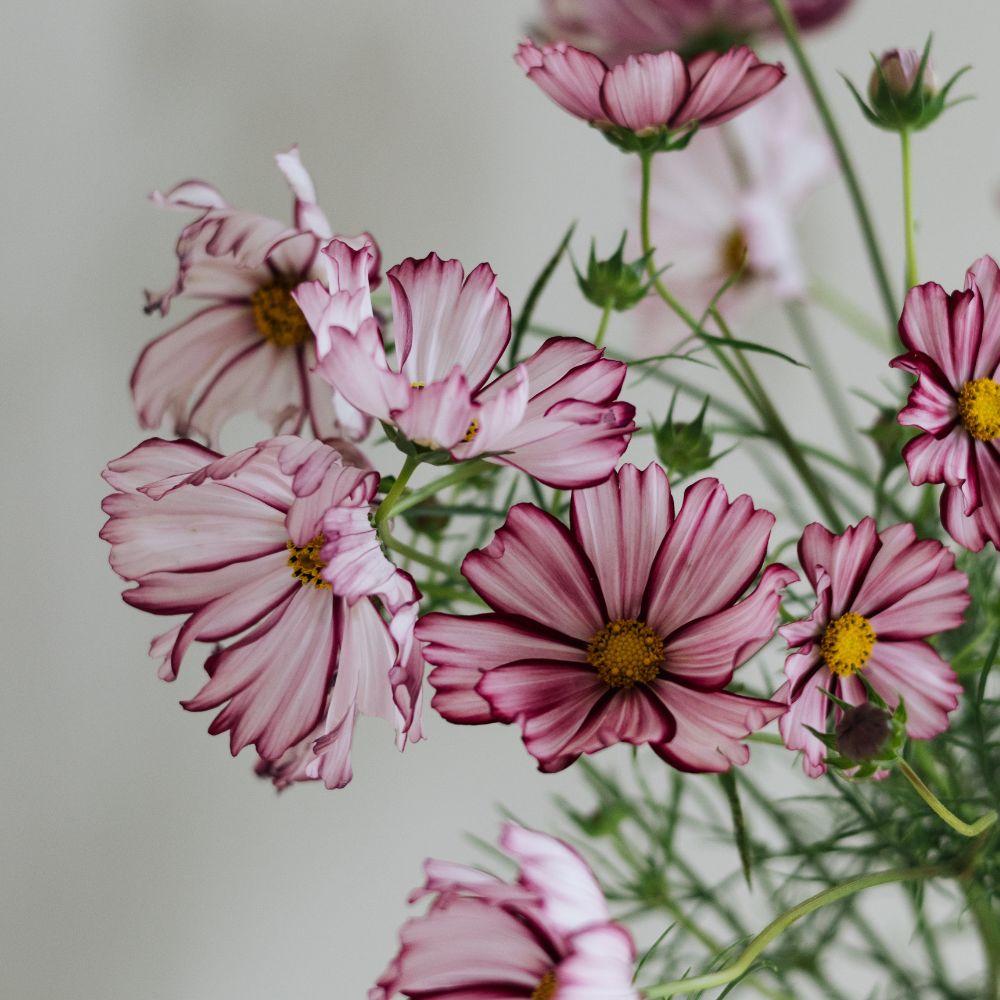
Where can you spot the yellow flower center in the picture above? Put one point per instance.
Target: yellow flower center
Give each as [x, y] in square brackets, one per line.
[546, 989]
[418, 385]
[278, 318]
[979, 408]
[472, 431]
[626, 652]
[847, 643]
[733, 253]
[305, 562]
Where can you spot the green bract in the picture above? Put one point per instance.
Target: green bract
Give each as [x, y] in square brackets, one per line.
[612, 283]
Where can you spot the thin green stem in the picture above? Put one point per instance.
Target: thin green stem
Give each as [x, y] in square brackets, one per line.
[788, 26]
[389, 505]
[464, 471]
[959, 826]
[603, 328]
[780, 924]
[908, 227]
[410, 552]
[989, 933]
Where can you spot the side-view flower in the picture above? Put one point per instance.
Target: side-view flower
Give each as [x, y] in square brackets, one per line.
[546, 936]
[249, 348]
[261, 545]
[625, 628]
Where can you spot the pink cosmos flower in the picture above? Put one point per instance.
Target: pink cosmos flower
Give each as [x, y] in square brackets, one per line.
[249, 347]
[555, 415]
[954, 350]
[879, 596]
[546, 936]
[736, 196]
[270, 547]
[650, 93]
[625, 628]
[616, 29]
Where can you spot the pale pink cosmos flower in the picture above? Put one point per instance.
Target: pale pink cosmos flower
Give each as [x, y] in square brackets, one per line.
[249, 347]
[271, 548]
[650, 92]
[555, 415]
[731, 201]
[616, 29]
[626, 627]
[880, 595]
[547, 936]
[954, 350]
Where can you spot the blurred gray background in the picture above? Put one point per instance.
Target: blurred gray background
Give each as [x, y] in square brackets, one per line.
[141, 862]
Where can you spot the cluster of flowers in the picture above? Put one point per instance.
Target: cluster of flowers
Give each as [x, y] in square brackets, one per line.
[627, 625]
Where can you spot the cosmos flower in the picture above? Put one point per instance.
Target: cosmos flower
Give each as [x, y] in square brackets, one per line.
[627, 627]
[544, 936]
[270, 548]
[650, 93]
[555, 415]
[880, 595]
[731, 200]
[954, 350]
[616, 29]
[249, 348]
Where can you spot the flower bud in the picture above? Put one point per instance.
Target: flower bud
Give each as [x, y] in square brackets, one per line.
[613, 284]
[684, 448]
[904, 93]
[864, 732]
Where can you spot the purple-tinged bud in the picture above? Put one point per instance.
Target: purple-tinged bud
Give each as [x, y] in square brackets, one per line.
[863, 732]
[899, 70]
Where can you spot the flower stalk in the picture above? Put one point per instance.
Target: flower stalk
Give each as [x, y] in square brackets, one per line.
[959, 826]
[908, 226]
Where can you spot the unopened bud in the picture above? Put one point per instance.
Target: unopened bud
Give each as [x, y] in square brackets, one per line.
[612, 283]
[863, 732]
[684, 448]
[899, 71]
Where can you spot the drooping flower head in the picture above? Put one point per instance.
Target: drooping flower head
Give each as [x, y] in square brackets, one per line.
[555, 415]
[650, 101]
[249, 348]
[546, 936]
[626, 627]
[954, 350]
[616, 29]
[731, 202]
[271, 548]
[880, 595]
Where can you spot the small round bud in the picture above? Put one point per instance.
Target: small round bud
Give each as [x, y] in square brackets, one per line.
[898, 70]
[863, 732]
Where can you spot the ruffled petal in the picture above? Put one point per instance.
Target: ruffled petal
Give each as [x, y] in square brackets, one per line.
[947, 328]
[644, 91]
[984, 274]
[807, 706]
[571, 77]
[726, 85]
[599, 966]
[845, 558]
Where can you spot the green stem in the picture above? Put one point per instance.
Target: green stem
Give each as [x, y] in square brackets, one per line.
[989, 932]
[464, 471]
[777, 926]
[388, 506]
[788, 26]
[603, 328]
[911, 243]
[959, 826]
[416, 555]
[745, 378]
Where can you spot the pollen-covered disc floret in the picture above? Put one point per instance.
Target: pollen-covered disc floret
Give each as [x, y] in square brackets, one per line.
[546, 989]
[847, 643]
[305, 562]
[278, 317]
[979, 408]
[626, 652]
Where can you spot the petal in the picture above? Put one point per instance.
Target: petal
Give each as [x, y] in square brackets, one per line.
[444, 319]
[711, 726]
[439, 414]
[985, 275]
[845, 557]
[620, 525]
[706, 652]
[972, 531]
[308, 215]
[644, 91]
[711, 554]
[932, 405]
[947, 459]
[599, 966]
[947, 328]
[156, 459]
[726, 85]
[918, 674]
[534, 568]
[809, 707]
[571, 77]
[463, 648]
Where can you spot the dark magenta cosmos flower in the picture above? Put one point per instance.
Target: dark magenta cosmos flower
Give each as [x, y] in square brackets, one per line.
[627, 627]
[556, 415]
[954, 350]
[546, 936]
[880, 595]
[249, 348]
[650, 93]
[271, 548]
[616, 29]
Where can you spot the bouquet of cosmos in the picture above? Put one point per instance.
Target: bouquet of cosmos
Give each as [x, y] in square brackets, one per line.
[448, 517]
